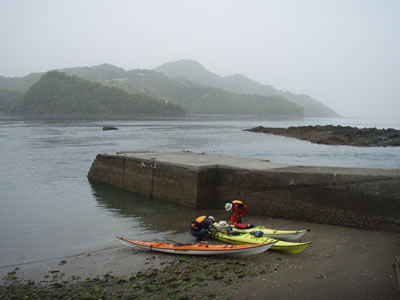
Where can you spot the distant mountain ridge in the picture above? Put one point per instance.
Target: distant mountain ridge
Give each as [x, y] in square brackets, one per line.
[193, 97]
[19, 84]
[199, 99]
[240, 84]
[189, 84]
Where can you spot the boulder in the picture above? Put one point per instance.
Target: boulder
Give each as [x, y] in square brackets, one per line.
[110, 128]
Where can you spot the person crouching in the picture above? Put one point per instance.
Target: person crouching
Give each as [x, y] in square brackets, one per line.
[201, 226]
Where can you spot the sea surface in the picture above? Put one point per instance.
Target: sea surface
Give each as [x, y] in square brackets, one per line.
[49, 210]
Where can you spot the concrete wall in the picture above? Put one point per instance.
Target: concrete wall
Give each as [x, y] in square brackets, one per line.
[364, 198]
[369, 199]
[189, 186]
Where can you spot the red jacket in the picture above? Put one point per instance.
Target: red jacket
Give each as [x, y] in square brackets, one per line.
[236, 215]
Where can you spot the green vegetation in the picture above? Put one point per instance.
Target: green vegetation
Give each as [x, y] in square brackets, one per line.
[57, 94]
[221, 102]
[99, 72]
[193, 97]
[189, 84]
[178, 278]
[20, 84]
[199, 99]
[239, 84]
[8, 99]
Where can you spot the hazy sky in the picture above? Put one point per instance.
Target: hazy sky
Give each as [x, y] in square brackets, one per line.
[345, 54]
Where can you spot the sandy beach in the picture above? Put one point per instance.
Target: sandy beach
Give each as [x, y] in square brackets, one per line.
[341, 263]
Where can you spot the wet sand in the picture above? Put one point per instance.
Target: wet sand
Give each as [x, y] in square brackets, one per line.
[341, 263]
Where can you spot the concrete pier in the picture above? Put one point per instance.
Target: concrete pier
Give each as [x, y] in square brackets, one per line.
[363, 198]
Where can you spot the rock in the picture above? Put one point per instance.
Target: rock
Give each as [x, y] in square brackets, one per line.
[58, 285]
[110, 128]
[338, 135]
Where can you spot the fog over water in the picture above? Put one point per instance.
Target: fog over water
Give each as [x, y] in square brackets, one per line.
[342, 53]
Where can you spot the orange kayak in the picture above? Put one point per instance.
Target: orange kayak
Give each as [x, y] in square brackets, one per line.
[198, 248]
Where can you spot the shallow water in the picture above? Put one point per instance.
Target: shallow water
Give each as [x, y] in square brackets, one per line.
[49, 209]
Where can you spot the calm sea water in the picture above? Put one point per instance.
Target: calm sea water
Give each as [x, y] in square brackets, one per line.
[50, 210]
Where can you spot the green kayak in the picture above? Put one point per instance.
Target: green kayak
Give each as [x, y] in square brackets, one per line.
[248, 238]
[287, 235]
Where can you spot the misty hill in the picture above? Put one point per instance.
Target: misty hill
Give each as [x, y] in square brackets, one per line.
[8, 99]
[199, 99]
[195, 98]
[97, 73]
[240, 84]
[57, 94]
[20, 84]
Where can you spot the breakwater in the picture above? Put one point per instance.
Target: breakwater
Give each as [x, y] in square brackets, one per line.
[364, 198]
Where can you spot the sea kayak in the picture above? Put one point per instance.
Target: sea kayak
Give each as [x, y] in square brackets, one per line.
[198, 248]
[287, 235]
[248, 238]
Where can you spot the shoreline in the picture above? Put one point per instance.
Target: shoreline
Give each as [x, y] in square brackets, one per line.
[337, 135]
[342, 262]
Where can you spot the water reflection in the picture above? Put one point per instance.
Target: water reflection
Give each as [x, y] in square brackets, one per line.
[148, 213]
[144, 212]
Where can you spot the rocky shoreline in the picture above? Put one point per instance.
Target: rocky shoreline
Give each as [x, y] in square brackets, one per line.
[337, 135]
[177, 278]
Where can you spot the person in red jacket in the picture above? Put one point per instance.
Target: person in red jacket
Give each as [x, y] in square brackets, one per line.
[239, 210]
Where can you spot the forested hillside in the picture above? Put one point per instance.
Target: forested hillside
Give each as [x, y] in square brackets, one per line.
[20, 84]
[199, 99]
[194, 98]
[239, 84]
[57, 94]
[8, 99]
[198, 91]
